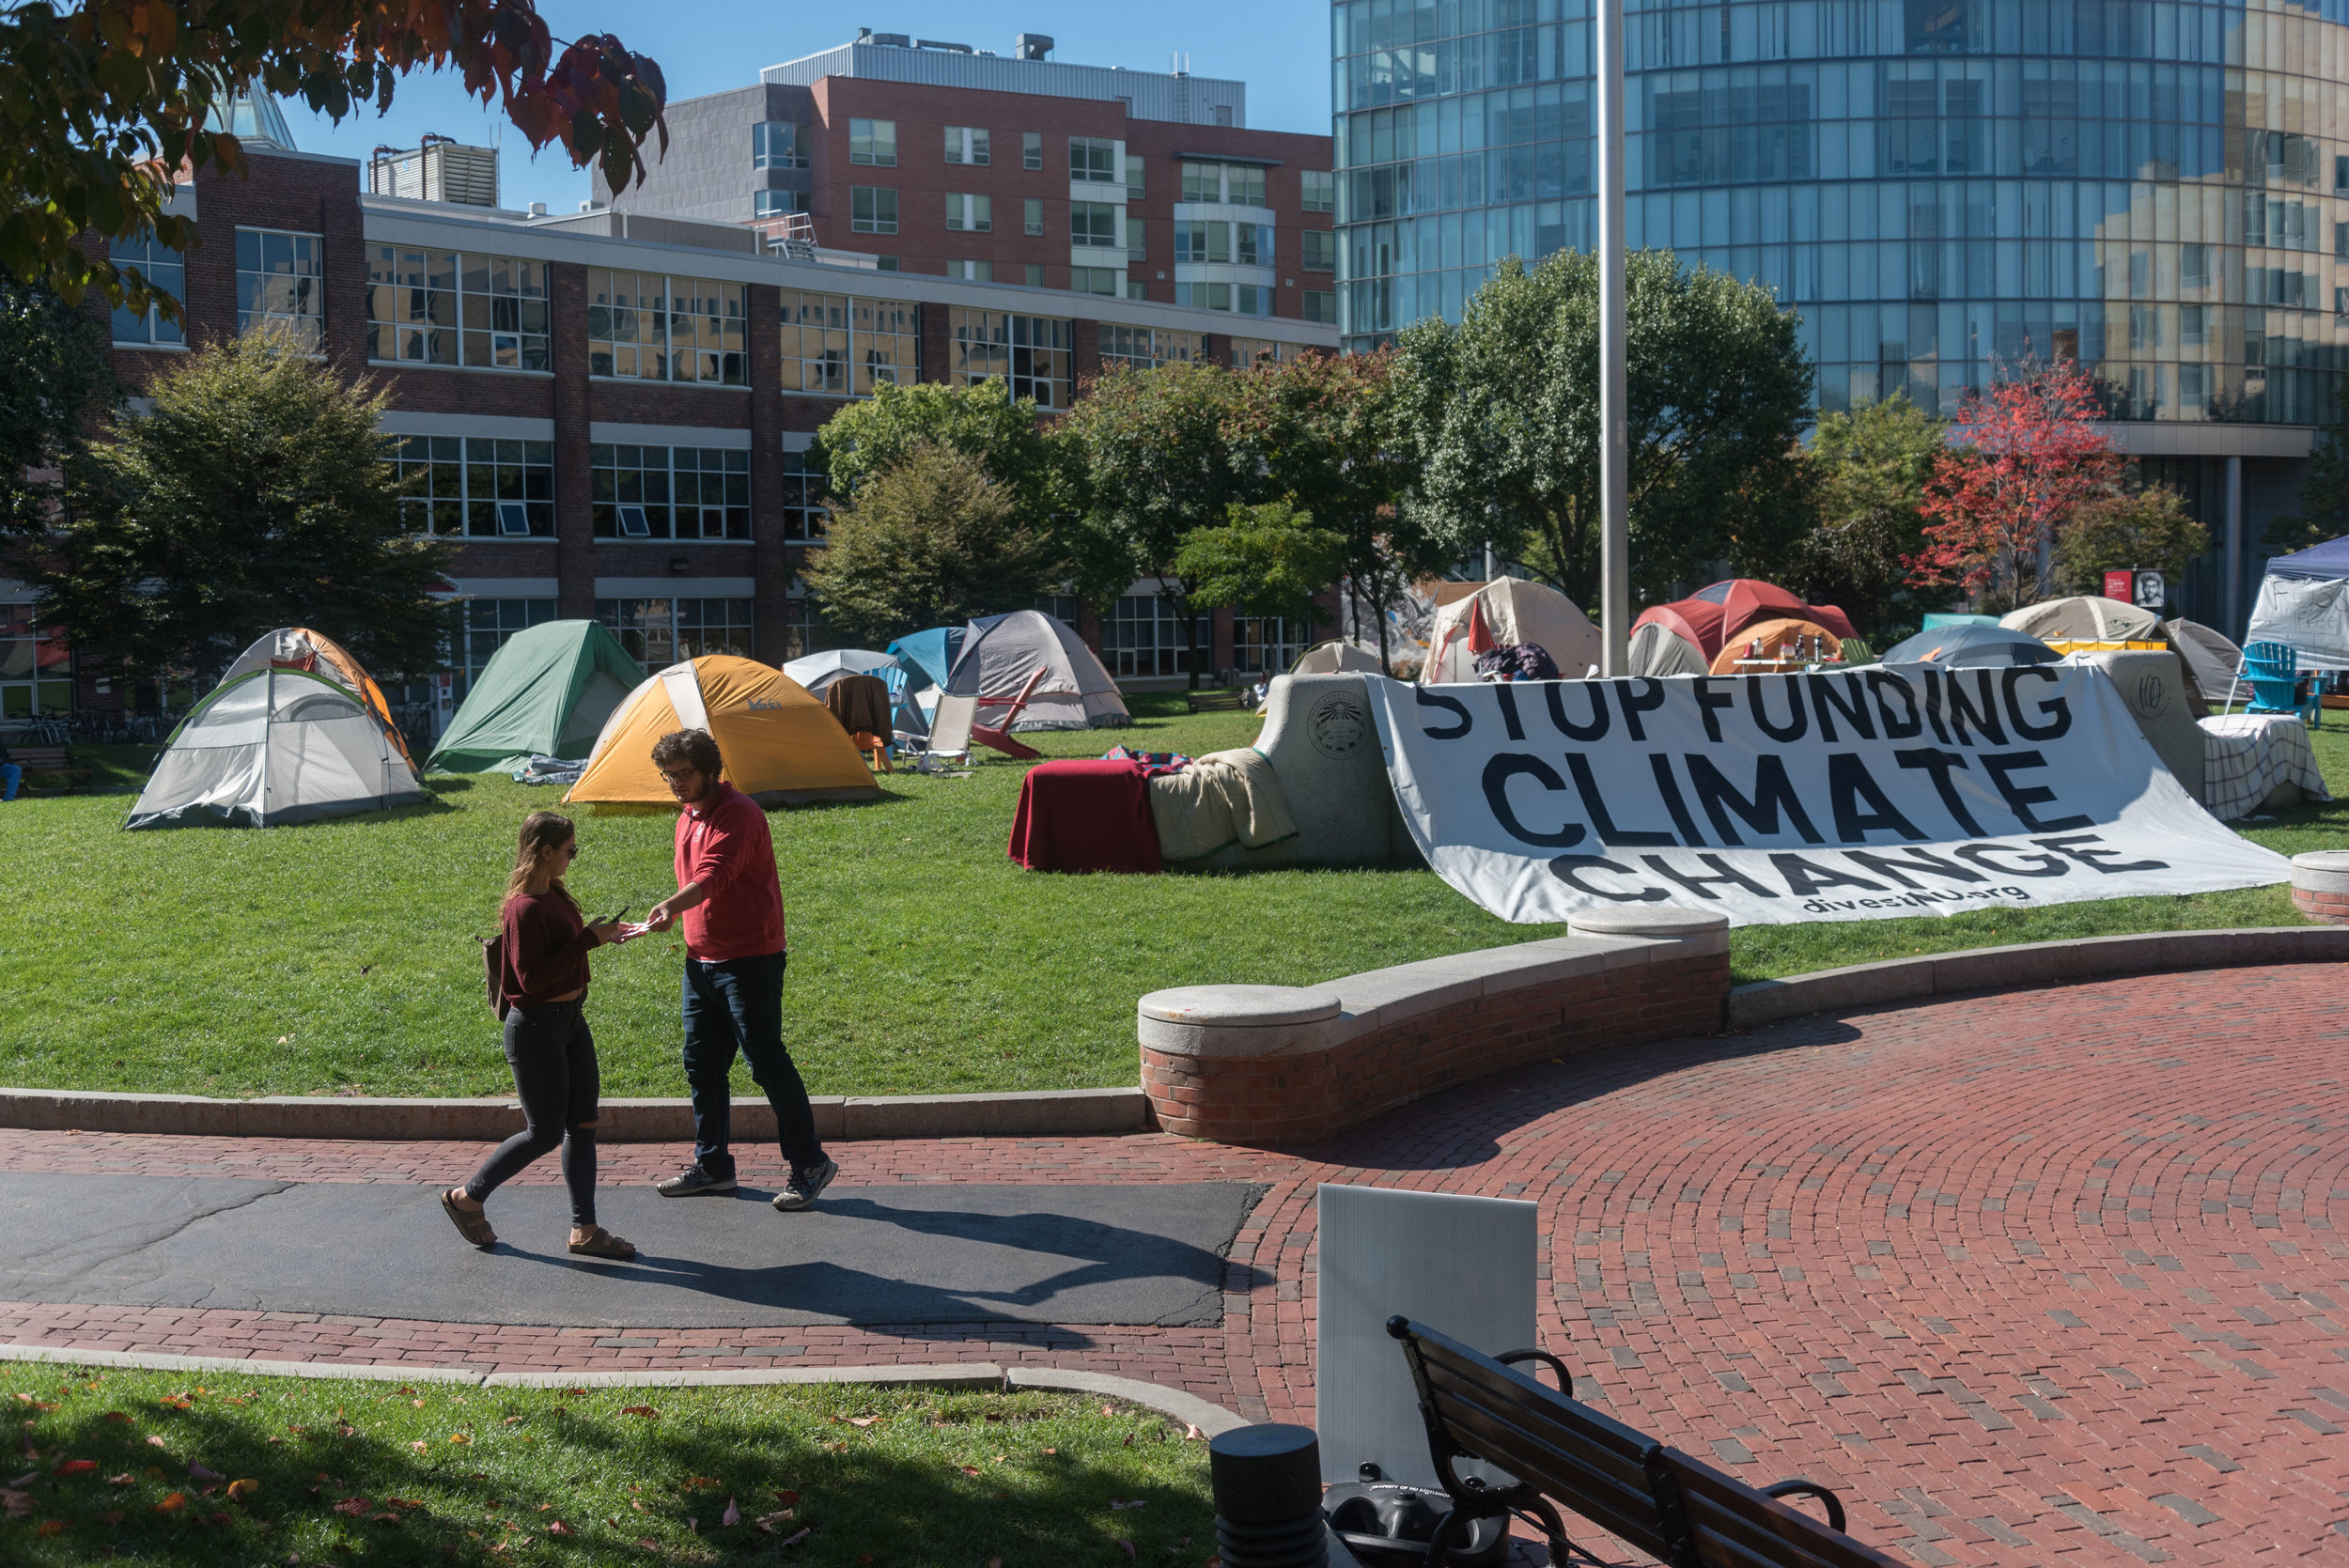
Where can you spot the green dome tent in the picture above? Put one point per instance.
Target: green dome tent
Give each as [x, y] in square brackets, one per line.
[546, 692]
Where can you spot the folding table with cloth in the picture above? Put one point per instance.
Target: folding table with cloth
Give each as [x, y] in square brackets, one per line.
[1085, 817]
[2248, 756]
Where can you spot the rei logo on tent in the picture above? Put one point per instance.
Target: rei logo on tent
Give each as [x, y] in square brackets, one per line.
[758, 705]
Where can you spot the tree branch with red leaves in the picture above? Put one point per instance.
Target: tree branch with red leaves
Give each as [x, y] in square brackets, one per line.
[2024, 456]
[108, 104]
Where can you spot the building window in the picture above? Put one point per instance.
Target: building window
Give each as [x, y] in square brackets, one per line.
[816, 343]
[1320, 248]
[1245, 299]
[1036, 274]
[642, 326]
[873, 142]
[888, 343]
[972, 271]
[804, 488]
[1319, 191]
[1093, 223]
[1133, 176]
[1032, 149]
[1146, 348]
[488, 625]
[165, 272]
[36, 672]
[1249, 352]
[658, 632]
[1202, 239]
[1251, 244]
[872, 210]
[1093, 280]
[665, 493]
[280, 285]
[474, 487]
[776, 204]
[1267, 643]
[970, 214]
[1146, 634]
[1322, 305]
[965, 144]
[1030, 354]
[1136, 289]
[1134, 245]
[1093, 159]
[1033, 219]
[1240, 184]
[1203, 182]
[775, 145]
[440, 308]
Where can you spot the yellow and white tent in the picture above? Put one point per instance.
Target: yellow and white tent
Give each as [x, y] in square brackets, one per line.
[782, 747]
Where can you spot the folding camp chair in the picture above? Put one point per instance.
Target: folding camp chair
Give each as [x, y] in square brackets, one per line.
[950, 732]
[999, 735]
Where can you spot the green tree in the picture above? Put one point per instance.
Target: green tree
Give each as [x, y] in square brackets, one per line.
[1036, 467]
[932, 539]
[1167, 452]
[57, 382]
[254, 495]
[2324, 510]
[109, 100]
[1502, 410]
[1329, 431]
[1266, 560]
[2149, 529]
[1868, 468]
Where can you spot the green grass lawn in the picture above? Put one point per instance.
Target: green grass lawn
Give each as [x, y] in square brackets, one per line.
[347, 1472]
[339, 956]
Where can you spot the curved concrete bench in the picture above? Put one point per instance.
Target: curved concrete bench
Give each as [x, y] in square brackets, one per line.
[1273, 1065]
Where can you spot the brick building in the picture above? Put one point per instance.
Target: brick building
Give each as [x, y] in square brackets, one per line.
[936, 158]
[609, 407]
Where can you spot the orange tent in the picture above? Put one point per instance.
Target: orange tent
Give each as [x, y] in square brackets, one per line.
[1715, 615]
[297, 648]
[782, 747]
[1773, 635]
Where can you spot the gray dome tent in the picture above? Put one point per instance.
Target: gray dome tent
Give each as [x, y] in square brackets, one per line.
[1000, 653]
[274, 747]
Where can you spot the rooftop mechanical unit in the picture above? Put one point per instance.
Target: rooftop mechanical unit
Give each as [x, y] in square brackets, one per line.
[441, 169]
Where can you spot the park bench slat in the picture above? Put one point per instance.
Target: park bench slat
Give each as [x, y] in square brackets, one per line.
[1552, 1448]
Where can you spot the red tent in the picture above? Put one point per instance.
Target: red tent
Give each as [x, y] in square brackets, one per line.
[1712, 616]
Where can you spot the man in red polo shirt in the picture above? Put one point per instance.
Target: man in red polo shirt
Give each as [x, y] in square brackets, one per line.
[730, 903]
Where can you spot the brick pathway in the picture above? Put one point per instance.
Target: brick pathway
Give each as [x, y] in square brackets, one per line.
[2039, 1278]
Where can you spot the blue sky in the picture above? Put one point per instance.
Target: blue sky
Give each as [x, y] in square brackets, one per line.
[1279, 48]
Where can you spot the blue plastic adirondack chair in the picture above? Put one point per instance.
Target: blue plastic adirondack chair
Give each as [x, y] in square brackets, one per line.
[2273, 670]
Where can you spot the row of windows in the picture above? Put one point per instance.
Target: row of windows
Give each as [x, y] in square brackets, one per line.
[1241, 185]
[475, 486]
[658, 632]
[1214, 240]
[874, 143]
[1030, 354]
[669, 492]
[1246, 299]
[441, 307]
[651, 327]
[1145, 347]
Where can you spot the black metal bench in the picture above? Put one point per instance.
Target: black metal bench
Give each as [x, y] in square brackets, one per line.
[1659, 1501]
[1216, 702]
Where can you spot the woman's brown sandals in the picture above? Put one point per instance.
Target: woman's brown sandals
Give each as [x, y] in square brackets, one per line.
[601, 1243]
[472, 1223]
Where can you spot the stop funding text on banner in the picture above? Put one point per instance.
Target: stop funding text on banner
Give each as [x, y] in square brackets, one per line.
[1775, 799]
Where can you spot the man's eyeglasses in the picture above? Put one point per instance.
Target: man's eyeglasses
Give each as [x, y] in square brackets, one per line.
[683, 776]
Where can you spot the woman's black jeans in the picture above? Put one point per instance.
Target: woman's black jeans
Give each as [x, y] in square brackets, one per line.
[553, 1057]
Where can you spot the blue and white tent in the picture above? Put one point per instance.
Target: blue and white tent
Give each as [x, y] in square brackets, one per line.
[2304, 604]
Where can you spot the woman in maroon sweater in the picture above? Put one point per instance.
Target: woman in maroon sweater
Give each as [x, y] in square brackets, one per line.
[547, 1040]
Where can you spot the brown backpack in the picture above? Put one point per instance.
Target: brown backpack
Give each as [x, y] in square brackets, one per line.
[493, 963]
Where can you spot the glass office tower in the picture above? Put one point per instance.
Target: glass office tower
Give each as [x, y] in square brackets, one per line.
[2159, 189]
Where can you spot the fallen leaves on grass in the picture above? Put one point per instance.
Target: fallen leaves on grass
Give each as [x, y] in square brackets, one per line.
[353, 1506]
[732, 1515]
[699, 1483]
[197, 1473]
[799, 1536]
[36, 1404]
[51, 1526]
[787, 1497]
[241, 1489]
[558, 1529]
[1193, 1435]
[112, 1516]
[173, 1401]
[116, 1417]
[768, 1522]
[421, 1445]
[970, 1469]
[16, 1504]
[125, 1479]
[461, 1439]
[173, 1503]
[646, 1411]
[75, 1466]
[154, 1441]
[1128, 1545]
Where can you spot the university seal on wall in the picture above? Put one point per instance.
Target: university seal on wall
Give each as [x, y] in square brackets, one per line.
[1338, 725]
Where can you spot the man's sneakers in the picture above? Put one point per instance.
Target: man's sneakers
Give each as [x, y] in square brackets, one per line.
[692, 1181]
[804, 1184]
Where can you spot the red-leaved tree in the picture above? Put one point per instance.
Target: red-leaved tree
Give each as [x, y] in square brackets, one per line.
[2025, 453]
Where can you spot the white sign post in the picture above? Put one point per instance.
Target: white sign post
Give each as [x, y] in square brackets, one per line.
[1776, 798]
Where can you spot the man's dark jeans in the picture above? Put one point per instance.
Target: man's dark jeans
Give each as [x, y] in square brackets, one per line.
[737, 1007]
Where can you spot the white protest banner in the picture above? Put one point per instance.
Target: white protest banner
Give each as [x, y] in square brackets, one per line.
[1775, 799]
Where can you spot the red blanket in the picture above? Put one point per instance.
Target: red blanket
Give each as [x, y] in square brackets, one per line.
[1085, 817]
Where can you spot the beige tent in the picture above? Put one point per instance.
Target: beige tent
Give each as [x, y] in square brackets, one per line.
[1335, 656]
[2085, 619]
[1657, 650]
[1504, 611]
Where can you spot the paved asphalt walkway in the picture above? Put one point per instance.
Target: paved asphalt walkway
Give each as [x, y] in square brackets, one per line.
[2045, 1278]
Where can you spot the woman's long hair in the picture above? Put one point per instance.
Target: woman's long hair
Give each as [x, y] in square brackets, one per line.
[535, 870]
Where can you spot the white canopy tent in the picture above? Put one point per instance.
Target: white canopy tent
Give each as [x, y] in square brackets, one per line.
[274, 747]
[2304, 604]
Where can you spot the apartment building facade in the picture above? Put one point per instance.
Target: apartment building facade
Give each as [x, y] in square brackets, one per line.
[935, 157]
[612, 425]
